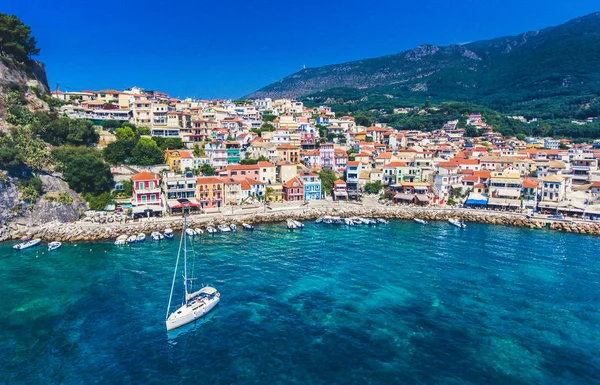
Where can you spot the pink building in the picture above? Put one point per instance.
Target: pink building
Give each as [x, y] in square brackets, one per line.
[146, 189]
[241, 171]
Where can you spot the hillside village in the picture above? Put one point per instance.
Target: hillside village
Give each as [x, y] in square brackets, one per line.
[240, 152]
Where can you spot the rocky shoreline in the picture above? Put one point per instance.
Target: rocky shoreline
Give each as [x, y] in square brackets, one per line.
[98, 226]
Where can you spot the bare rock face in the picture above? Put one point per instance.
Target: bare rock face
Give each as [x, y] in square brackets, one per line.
[9, 197]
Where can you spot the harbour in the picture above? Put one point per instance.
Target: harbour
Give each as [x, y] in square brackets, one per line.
[316, 305]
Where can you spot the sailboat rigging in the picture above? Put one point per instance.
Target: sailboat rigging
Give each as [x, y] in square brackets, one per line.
[195, 304]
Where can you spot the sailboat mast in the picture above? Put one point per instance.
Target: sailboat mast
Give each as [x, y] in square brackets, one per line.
[185, 279]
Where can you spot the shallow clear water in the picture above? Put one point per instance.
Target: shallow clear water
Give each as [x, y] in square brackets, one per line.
[386, 304]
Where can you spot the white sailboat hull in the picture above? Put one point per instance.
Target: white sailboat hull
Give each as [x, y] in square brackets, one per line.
[189, 313]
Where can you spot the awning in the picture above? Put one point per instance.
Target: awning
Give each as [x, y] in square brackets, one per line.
[551, 205]
[504, 202]
[482, 202]
[182, 205]
[503, 192]
[404, 197]
[422, 198]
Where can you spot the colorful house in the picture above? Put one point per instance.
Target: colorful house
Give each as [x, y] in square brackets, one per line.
[146, 189]
[293, 190]
[312, 186]
[339, 190]
[210, 193]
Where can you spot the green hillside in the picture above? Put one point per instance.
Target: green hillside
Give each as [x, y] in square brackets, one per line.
[551, 73]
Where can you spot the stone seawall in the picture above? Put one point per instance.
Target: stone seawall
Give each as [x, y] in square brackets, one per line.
[87, 231]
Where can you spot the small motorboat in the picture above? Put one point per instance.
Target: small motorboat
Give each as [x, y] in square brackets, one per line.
[298, 224]
[233, 227]
[190, 232]
[141, 237]
[349, 221]
[356, 221]
[319, 220]
[336, 220]
[155, 235]
[224, 228]
[169, 233]
[54, 245]
[131, 239]
[27, 243]
[382, 221]
[421, 221]
[247, 226]
[458, 223]
[199, 231]
[328, 220]
[211, 230]
[290, 224]
[121, 240]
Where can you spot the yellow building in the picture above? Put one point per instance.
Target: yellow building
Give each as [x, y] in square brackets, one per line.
[274, 193]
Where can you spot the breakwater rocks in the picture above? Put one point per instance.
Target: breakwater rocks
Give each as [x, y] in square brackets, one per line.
[101, 226]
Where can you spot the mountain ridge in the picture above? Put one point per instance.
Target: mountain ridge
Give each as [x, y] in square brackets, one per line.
[507, 70]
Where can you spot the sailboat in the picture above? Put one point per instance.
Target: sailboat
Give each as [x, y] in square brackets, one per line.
[195, 303]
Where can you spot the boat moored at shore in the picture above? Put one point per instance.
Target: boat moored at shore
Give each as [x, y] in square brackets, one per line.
[421, 221]
[27, 243]
[458, 223]
[54, 245]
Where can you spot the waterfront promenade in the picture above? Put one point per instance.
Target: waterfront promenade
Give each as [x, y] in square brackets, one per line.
[90, 228]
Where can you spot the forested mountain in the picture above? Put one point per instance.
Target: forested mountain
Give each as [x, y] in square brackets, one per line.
[554, 72]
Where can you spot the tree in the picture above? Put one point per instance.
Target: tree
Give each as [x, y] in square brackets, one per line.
[268, 192]
[362, 120]
[143, 130]
[198, 151]
[521, 137]
[146, 153]
[168, 143]
[88, 174]
[125, 133]
[118, 152]
[327, 176]
[268, 117]
[456, 192]
[207, 170]
[10, 158]
[110, 125]
[254, 161]
[471, 132]
[15, 39]
[97, 202]
[373, 187]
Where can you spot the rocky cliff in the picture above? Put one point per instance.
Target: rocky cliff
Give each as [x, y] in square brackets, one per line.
[29, 77]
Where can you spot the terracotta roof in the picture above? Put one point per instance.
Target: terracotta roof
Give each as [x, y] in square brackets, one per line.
[145, 175]
[595, 185]
[470, 178]
[353, 163]
[339, 181]
[290, 183]
[553, 178]
[287, 147]
[242, 167]
[209, 179]
[530, 183]
[479, 185]
[395, 164]
[265, 164]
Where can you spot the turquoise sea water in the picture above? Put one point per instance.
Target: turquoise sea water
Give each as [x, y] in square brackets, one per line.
[400, 303]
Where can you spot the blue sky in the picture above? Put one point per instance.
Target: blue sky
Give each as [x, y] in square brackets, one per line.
[230, 48]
